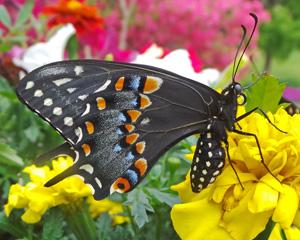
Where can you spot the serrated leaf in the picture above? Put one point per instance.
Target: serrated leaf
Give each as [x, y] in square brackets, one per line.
[163, 197]
[9, 157]
[104, 226]
[4, 16]
[139, 205]
[53, 225]
[25, 12]
[15, 228]
[265, 94]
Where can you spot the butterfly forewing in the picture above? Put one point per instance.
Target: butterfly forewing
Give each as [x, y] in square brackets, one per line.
[118, 118]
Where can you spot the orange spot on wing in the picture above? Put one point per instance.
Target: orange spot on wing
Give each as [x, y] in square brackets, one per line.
[141, 165]
[121, 185]
[120, 84]
[101, 103]
[144, 101]
[86, 149]
[90, 127]
[152, 84]
[134, 115]
[140, 147]
[130, 139]
[129, 127]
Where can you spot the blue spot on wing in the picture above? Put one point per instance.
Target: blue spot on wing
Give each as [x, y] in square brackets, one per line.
[129, 156]
[132, 176]
[135, 82]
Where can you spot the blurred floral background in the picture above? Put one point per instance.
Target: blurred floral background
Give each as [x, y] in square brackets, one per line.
[194, 38]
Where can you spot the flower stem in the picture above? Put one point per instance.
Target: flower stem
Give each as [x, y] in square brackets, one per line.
[80, 221]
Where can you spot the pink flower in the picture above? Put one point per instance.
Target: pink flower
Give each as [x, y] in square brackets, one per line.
[210, 28]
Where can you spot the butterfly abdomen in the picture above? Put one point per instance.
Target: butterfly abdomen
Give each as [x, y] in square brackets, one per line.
[208, 161]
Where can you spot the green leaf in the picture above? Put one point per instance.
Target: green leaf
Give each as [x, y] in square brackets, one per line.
[72, 47]
[12, 226]
[139, 203]
[9, 157]
[163, 197]
[25, 12]
[53, 226]
[4, 16]
[265, 94]
[32, 132]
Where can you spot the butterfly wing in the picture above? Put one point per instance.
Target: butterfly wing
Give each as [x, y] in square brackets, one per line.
[117, 118]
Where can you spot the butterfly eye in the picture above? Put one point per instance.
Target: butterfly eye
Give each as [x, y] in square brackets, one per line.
[242, 99]
[238, 88]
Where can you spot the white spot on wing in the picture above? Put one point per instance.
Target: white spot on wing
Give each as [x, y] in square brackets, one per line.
[78, 70]
[103, 87]
[76, 156]
[78, 133]
[68, 121]
[88, 168]
[145, 121]
[62, 81]
[70, 90]
[79, 176]
[82, 97]
[48, 102]
[38, 93]
[87, 109]
[98, 182]
[91, 187]
[57, 111]
[29, 85]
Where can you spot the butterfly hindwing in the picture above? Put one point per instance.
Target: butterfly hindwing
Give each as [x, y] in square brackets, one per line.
[119, 118]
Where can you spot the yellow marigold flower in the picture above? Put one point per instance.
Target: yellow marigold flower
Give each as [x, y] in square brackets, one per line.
[37, 199]
[226, 211]
[114, 209]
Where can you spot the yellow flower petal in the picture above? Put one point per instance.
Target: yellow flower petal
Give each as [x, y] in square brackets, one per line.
[264, 198]
[31, 217]
[238, 220]
[198, 220]
[297, 219]
[292, 233]
[287, 207]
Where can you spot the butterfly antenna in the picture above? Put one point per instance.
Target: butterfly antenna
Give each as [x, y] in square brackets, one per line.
[237, 52]
[248, 42]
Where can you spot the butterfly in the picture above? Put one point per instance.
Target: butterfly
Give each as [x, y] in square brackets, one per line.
[117, 119]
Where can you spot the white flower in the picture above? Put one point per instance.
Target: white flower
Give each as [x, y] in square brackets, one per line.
[42, 53]
[177, 61]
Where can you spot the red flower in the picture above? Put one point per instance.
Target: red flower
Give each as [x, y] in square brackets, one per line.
[84, 18]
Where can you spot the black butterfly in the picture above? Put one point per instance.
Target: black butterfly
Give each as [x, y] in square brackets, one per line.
[118, 119]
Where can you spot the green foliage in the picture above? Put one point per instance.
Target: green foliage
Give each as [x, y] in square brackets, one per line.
[53, 227]
[4, 16]
[265, 94]
[281, 35]
[25, 13]
[13, 225]
[21, 129]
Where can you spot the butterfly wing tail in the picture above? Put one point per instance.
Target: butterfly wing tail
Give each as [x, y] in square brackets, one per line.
[62, 150]
[68, 172]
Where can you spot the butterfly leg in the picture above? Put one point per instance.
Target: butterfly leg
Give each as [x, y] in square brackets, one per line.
[230, 162]
[259, 148]
[263, 113]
